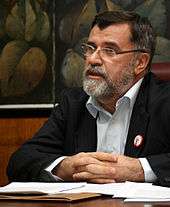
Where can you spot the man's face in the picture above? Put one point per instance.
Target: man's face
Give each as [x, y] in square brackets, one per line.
[109, 76]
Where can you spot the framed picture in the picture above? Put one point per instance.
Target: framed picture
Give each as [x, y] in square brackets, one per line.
[40, 45]
[26, 63]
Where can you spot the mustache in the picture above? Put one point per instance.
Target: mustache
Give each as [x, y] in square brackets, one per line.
[95, 70]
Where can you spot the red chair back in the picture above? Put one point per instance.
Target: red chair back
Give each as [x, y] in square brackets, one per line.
[162, 70]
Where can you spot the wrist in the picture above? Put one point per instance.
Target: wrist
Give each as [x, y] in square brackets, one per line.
[63, 170]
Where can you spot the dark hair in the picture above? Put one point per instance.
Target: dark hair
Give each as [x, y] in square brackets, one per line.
[142, 33]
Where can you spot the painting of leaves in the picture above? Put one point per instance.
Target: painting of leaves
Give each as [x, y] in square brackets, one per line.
[73, 26]
[25, 52]
[40, 43]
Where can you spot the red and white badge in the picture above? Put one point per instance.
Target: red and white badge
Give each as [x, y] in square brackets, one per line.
[138, 141]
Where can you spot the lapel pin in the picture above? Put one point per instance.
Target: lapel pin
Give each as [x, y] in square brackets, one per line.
[138, 141]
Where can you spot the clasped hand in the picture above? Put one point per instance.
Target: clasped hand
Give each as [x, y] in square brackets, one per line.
[100, 167]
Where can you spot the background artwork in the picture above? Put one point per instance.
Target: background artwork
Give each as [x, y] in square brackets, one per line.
[40, 43]
[26, 52]
[74, 26]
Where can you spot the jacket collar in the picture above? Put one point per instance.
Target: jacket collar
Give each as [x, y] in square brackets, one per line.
[139, 119]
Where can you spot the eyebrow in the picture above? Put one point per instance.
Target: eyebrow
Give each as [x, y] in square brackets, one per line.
[107, 44]
[91, 43]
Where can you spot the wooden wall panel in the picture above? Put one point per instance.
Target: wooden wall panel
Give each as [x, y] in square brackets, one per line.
[13, 132]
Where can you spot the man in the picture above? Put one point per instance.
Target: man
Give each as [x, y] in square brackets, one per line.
[117, 129]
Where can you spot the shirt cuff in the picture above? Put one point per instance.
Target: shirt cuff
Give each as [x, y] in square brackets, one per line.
[148, 172]
[53, 165]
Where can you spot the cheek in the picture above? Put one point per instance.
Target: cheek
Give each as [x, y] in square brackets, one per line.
[114, 70]
[86, 65]
[85, 62]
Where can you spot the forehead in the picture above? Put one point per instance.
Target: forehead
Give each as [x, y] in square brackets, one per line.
[116, 33]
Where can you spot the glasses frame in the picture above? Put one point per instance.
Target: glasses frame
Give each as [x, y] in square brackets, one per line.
[114, 51]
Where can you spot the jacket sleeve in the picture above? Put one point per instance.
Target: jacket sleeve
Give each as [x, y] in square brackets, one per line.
[160, 163]
[161, 167]
[30, 160]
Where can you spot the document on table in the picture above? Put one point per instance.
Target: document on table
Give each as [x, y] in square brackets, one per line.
[39, 188]
[44, 191]
[130, 191]
[143, 192]
[146, 200]
[105, 189]
[55, 188]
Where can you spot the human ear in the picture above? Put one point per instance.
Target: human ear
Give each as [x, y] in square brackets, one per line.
[141, 63]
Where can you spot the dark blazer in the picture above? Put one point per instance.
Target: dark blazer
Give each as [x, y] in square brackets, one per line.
[71, 129]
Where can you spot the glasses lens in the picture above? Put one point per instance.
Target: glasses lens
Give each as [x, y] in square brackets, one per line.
[87, 49]
[108, 52]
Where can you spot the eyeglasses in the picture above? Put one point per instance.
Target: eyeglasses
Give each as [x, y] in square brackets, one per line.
[106, 52]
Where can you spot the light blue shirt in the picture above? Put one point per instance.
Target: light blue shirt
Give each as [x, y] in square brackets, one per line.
[112, 129]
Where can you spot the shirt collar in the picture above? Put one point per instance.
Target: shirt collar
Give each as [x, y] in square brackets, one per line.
[132, 93]
[93, 107]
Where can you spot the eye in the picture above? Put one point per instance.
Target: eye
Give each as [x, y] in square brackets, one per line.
[88, 49]
[109, 51]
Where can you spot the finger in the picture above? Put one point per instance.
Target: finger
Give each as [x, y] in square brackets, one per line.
[103, 156]
[83, 176]
[97, 170]
[92, 178]
[86, 160]
[94, 172]
[102, 180]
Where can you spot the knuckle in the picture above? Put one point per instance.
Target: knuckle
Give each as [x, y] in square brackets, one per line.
[81, 154]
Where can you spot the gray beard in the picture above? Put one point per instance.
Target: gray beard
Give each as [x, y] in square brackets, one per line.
[97, 88]
[105, 87]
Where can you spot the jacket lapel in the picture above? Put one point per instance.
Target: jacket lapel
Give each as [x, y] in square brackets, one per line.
[139, 121]
[86, 134]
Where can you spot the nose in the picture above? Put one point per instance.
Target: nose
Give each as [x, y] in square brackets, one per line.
[94, 59]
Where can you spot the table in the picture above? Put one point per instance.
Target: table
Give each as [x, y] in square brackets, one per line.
[98, 202]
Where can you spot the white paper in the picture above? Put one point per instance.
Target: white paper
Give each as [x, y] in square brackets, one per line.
[39, 188]
[133, 192]
[106, 189]
[143, 191]
[146, 200]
